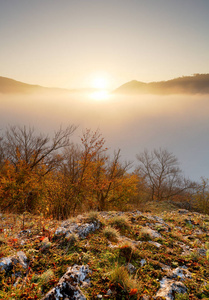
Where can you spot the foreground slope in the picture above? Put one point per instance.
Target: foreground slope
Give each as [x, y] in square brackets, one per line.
[107, 255]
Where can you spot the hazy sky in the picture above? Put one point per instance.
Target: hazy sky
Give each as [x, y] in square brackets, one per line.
[64, 43]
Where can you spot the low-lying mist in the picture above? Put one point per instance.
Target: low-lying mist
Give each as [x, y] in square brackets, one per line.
[178, 123]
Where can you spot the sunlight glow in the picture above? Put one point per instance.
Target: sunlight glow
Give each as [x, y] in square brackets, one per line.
[100, 95]
[99, 80]
[99, 83]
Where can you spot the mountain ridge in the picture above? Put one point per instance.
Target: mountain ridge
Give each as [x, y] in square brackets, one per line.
[11, 86]
[195, 84]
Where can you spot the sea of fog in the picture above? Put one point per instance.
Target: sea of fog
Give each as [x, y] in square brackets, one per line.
[178, 123]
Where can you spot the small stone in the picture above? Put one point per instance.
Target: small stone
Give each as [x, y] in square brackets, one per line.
[202, 251]
[99, 296]
[145, 297]
[131, 269]
[85, 284]
[183, 211]
[109, 292]
[143, 262]
[158, 245]
[22, 258]
[198, 232]
[6, 263]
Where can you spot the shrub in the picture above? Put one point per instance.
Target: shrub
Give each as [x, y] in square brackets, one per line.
[92, 216]
[120, 222]
[111, 234]
[120, 275]
[144, 234]
[127, 250]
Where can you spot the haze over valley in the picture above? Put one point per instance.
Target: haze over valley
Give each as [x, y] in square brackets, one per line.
[178, 122]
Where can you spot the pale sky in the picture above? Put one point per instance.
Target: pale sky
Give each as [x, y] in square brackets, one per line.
[66, 43]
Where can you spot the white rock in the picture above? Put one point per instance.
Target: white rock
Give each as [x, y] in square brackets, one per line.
[143, 262]
[131, 269]
[22, 258]
[6, 263]
[152, 233]
[169, 286]
[81, 230]
[180, 272]
[69, 284]
[109, 292]
[158, 245]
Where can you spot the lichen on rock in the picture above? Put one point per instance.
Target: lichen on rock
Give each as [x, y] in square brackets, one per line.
[68, 285]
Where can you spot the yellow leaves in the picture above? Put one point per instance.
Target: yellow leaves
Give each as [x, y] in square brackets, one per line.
[18, 185]
[87, 178]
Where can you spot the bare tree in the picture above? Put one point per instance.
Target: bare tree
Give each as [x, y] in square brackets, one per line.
[91, 175]
[1, 153]
[201, 196]
[114, 171]
[22, 143]
[163, 176]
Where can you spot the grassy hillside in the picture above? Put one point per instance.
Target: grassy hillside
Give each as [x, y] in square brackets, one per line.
[131, 255]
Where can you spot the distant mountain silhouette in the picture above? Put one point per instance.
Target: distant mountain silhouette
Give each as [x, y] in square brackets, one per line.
[196, 84]
[11, 86]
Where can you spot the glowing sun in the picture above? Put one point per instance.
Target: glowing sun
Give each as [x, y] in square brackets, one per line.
[101, 84]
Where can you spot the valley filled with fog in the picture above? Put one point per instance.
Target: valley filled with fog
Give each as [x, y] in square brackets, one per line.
[179, 123]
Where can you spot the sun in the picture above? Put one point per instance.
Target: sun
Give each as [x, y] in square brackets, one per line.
[100, 82]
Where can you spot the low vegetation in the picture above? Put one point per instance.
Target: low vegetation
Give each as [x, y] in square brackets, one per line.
[123, 265]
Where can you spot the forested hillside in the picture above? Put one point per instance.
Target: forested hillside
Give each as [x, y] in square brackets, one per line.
[55, 177]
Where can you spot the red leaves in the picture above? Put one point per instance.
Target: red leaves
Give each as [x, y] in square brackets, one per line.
[133, 292]
[12, 241]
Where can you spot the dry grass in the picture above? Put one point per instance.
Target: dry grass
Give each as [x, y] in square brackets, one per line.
[111, 233]
[107, 263]
[120, 275]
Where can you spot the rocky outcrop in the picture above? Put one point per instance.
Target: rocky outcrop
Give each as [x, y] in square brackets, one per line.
[6, 263]
[81, 230]
[169, 287]
[169, 284]
[68, 286]
[167, 254]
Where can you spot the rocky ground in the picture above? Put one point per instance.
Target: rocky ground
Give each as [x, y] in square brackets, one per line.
[106, 255]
